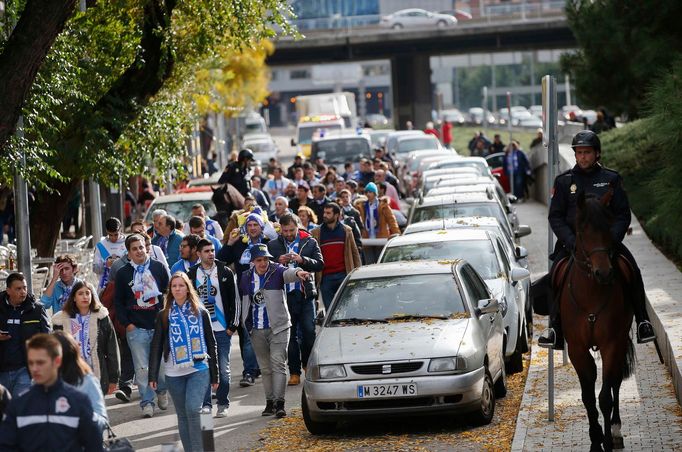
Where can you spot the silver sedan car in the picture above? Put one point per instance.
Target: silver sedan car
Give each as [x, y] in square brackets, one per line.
[416, 18]
[403, 339]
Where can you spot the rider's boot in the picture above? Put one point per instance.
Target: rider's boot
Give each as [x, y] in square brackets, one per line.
[553, 336]
[645, 331]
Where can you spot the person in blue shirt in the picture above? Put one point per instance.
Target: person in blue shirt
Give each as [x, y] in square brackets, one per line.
[188, 254]
[197, 225]
[63, 279]
[168, 239]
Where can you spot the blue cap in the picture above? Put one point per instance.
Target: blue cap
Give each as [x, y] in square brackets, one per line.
[372, 187]
[260, 250]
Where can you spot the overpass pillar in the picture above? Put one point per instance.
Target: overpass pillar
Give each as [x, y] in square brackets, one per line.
[411, 88]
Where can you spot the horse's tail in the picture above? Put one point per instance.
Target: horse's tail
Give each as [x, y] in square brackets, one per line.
[629, 366]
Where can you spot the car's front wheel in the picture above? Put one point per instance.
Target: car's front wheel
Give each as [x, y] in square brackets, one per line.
[484, 414]
[314, 427]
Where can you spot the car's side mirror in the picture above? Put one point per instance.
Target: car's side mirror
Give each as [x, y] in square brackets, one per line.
[521, 252]
[512, 199]
[519, 274]
[487, 306]
[293, 142]
[522, 231]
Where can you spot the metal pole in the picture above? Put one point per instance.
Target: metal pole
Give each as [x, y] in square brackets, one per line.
[21, 217]
[511, 148]
[485, 107]
[83, 210]
[121, 200]
[95, 211]
[567, 83]
[549, 110]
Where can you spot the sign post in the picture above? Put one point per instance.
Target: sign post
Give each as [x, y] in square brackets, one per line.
[549, 138]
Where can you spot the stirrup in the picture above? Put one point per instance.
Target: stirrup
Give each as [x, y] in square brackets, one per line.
[547, 339]
[651, 336]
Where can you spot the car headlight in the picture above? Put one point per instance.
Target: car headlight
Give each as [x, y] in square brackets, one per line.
[331, 371]
[450, 364]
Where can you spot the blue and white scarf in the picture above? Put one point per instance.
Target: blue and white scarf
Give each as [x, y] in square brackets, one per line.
[144, 285]
[246, 255]
[66, 291]
[80, 329]
[186, 336]
[259, 310]
[294, 247]
[372, 218]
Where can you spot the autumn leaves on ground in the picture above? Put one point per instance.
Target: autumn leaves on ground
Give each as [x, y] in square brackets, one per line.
[434, 433]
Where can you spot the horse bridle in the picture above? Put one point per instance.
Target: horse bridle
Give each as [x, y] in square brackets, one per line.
[585, 264]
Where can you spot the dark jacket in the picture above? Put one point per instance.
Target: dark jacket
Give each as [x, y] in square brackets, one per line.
[562, 209]
[355, 227]
[5, 398]
[230, 254]
[318, 208]
[235, 175]
[228, 292]
[127, 309]
[77, 433]
[309, 250]
[353, 213]
[34, 320]
[160, 346]
[106, 360]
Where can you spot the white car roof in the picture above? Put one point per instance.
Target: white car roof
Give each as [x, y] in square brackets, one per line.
[456, 198]
[452, 223]
[211, 180]
[403, 268]
[440, 235]
[453, 181]
[198, 196]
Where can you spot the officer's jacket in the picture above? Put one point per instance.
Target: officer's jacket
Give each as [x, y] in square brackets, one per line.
[562, 209]
[58, 418]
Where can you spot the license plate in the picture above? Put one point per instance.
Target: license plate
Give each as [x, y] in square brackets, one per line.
[387, 390]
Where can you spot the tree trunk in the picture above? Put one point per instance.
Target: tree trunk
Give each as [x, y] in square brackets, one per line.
[46, 215]
[39, 25]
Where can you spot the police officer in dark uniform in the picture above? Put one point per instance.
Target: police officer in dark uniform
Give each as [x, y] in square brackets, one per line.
[236, 173]
[592, 178]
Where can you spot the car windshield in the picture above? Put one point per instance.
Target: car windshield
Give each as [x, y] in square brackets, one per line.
[182, 210]
[252, 127]
[478, 253]
[305, 134]
[396, 297]
[378, 139]
[470, 209]
[341, 150]
[260, 146]
[414, 144]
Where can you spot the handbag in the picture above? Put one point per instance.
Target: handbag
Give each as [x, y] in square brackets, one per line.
[115, 444]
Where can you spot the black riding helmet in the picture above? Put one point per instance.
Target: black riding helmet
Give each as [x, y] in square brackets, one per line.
[586, 138]
[245, 154]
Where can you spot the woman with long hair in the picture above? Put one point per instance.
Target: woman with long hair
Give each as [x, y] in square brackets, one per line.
[76, 372]
[183, 337]
[84, 318]
[308, 218]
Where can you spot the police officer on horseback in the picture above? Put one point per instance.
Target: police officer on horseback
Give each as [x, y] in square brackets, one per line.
[236, 173]
[590, 177]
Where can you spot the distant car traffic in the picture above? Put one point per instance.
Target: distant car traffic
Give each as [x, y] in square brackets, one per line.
[362, 364]
[459, 14]
[453, 116]
[477, 115]
[377, 121]
[342, 148]
[416, 18]
[263, 146]
[180, 205]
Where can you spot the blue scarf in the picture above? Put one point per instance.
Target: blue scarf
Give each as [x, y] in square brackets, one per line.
[66, 291]
[80, 330]
[246, 255]
[163, 244]
[186, 336]
[372, 218]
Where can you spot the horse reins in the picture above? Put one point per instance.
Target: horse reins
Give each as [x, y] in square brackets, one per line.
[586, 266]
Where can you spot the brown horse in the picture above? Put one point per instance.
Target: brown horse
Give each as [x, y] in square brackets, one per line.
[597, 316]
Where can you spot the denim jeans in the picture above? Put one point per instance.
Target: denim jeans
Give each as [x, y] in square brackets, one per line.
[248, 355]
[16, 381]
[224, 343]
[329, 285]
[271, 350]
[302, 330]
[187, 393]
[139, 341]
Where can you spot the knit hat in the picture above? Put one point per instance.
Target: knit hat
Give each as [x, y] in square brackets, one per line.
[372, 187]
[255, 217]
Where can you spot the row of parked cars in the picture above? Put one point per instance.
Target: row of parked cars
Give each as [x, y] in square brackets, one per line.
[521, 116]
[442, 318]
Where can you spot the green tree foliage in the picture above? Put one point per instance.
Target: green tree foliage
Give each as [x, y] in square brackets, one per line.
[646, 153]
[623, 46]
[113, 97]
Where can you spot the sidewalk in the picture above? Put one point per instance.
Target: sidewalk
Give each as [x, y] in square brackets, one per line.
[650, 412]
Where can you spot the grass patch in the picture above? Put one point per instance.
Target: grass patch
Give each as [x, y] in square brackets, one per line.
[462, 135]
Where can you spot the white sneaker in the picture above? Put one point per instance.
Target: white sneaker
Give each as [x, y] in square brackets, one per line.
[205, 410]
[222, 411]
[162, 399]
[148, 411]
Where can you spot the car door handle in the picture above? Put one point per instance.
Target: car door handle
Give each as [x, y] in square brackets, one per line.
[492, 318]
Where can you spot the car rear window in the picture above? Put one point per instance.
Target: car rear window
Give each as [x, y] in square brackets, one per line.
[478, 253]
[487, 209]
[182, 210]
[415, 144]
[341, 150]
[390, 298]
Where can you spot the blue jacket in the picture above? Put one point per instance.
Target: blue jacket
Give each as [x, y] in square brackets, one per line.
[172, 248]
[54, 301]
[58, 418]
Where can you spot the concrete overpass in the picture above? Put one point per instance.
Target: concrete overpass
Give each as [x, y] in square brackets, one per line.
[409, 52]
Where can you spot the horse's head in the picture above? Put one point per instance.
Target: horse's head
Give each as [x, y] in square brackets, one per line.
[594, 243]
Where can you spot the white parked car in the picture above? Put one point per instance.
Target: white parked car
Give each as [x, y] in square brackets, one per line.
[417, 18]
[180, 205]
[362, 365]
[486, 252]
[263, 146]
